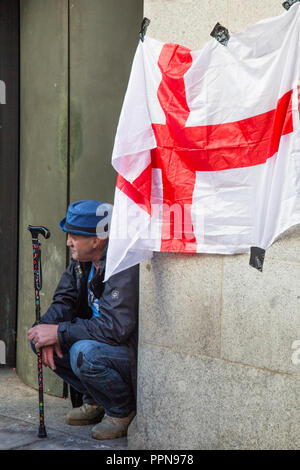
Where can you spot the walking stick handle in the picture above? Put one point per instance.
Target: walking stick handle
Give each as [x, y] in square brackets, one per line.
[35, 231]
[38, 230]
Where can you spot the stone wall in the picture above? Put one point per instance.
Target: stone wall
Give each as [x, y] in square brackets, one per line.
[217, 368]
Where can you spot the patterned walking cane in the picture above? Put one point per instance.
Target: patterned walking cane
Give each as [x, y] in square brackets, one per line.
[37, 275]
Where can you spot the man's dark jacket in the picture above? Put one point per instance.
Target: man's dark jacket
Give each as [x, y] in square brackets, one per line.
[118, 308]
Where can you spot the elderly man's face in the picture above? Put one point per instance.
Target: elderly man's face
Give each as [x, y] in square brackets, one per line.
[85, 248]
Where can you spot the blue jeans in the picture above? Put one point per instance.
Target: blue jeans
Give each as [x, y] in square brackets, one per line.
[101, 372]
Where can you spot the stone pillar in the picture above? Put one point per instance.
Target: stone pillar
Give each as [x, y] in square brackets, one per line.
[217, 368]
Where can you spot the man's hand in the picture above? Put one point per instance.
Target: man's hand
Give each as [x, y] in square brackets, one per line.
[43, 335]
[47, 355]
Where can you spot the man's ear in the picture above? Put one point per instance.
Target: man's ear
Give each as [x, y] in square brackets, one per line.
[100, 242]
[96, 242]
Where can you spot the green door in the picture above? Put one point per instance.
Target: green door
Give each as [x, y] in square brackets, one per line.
[75, 63]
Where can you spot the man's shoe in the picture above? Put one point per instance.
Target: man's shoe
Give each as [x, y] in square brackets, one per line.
[111, 428]
[85, 414]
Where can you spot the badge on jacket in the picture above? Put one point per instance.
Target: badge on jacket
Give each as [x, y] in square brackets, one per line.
[115, 294]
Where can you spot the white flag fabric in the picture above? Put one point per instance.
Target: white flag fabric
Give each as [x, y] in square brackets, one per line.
[207, 147]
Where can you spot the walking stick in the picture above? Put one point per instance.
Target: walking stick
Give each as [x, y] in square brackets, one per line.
[37, 274]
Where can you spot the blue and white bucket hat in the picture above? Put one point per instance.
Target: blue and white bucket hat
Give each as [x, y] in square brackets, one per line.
[88, 217]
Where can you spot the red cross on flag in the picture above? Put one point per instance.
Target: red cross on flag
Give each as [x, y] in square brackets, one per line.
[207, 148]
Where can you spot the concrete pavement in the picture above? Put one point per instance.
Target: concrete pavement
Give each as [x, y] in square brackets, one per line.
[19, 418]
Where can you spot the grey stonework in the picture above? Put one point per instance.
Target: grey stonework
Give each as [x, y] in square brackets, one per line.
[216, 336]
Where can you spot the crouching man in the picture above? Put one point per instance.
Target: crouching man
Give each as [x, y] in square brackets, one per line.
[89, 332]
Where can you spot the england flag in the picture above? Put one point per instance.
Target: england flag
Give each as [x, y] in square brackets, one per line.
[207, 148]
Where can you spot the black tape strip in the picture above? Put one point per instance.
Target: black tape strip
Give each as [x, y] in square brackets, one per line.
[287, 5]
[257, 257]
[221, 34]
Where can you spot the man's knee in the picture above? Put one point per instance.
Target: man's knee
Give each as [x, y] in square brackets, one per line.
[87, 359]
[78, 353]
